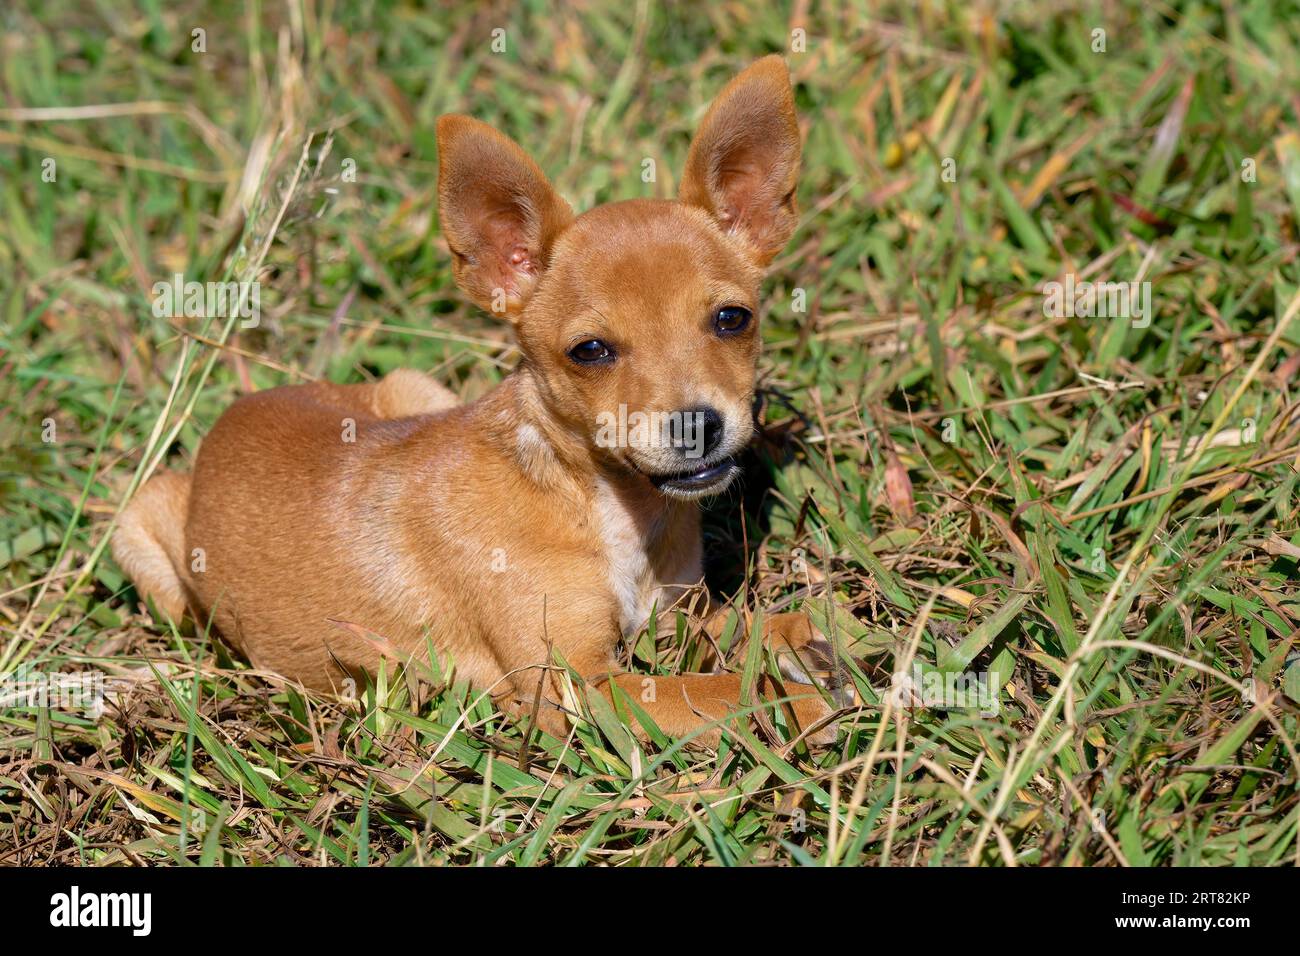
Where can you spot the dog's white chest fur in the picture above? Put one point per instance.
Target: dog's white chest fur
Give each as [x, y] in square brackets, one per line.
[630, 576]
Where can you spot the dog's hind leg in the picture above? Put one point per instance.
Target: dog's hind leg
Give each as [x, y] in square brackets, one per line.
[401, 393]
[149, 543]
[405, 391]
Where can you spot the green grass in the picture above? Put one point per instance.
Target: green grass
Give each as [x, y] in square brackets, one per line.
[1103, 515]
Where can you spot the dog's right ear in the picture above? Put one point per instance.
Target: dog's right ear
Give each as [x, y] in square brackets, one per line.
[499, 213]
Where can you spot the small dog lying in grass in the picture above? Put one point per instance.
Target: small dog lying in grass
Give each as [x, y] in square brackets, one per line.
[506, 532]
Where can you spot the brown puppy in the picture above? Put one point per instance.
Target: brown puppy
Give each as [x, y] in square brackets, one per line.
[532, 522]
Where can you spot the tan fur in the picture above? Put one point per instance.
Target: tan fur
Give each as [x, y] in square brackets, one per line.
[500, 532]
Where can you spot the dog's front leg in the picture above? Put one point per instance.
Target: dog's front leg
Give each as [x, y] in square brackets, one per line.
[680, 705]
[803, 653]
[697, 704]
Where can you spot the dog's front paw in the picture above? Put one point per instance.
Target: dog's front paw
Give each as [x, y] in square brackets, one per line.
[806, 655]
[812, 711]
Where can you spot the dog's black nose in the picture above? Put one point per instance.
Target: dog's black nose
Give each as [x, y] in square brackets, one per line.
[703, 431]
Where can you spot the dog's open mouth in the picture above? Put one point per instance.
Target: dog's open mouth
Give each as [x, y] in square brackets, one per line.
[705, 480]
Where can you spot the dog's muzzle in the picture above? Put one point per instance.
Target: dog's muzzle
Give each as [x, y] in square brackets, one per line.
[705, 480]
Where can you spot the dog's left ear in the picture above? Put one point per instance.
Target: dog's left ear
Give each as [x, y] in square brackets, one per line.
[744, 160]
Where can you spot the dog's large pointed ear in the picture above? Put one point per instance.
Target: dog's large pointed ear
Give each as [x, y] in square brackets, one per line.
[744, 160]
[499, 212]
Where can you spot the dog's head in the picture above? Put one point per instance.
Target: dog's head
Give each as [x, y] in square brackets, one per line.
[638, 318]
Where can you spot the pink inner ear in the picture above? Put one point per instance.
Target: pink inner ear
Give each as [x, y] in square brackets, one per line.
[737, 185]
[503, 235]
[521, 260]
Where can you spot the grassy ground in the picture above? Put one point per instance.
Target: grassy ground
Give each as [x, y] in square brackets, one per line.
[1102, 513]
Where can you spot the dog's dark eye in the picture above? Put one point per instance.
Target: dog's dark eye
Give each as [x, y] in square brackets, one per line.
[731, 319]
[591, 352]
